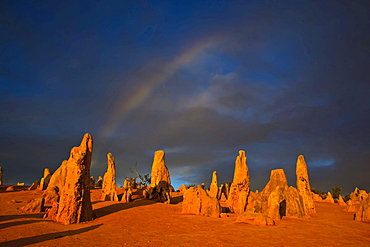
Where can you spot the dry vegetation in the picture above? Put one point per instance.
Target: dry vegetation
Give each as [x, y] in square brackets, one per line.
[147, 223]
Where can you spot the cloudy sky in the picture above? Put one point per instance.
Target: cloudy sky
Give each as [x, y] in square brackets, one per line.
[198, 79]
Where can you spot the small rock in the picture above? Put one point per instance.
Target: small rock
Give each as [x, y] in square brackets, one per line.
[10, 188]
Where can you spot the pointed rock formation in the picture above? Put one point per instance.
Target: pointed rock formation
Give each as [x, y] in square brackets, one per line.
[341, 201]
[99, 183]
[44, 182]
[34, 185]
[160, 181]
[303, 185]
[109, 190]
[329, 198]
[69, 187]
[277, 178]
[198, 202]
[213, 188]
[239, 190]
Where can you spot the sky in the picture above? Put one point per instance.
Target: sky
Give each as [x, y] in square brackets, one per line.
[200, 80]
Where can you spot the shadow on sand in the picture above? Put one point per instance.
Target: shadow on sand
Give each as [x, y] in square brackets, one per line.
[21, 216]
[113, 208]
[118, 206]
[17, 223]
[46, 237]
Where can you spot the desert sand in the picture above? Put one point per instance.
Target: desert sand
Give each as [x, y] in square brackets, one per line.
[148, 223]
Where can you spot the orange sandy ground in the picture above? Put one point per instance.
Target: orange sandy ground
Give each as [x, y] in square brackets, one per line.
[147, 223]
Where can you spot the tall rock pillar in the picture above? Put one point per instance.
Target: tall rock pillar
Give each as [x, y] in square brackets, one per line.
[69, 187]
[239, 190]
[109, 189]
[303, 185]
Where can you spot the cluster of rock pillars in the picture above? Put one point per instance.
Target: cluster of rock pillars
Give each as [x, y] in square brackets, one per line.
[68, 192]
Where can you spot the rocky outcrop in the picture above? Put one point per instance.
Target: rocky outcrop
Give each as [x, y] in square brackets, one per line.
[109, 190]
[356, 197]
[303, 185]
[44, 182]
[363, 212]
[69, 187]
[35, 205]
[239, 189]
[160, 181]
[213, 188]
[329, 198]
[198, 202]
[277, 200]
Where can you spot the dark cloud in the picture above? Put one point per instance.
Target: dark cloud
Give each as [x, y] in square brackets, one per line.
[200, 81]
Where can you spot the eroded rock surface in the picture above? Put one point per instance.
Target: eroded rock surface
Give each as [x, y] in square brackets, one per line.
[277, 200]
[44, 182]
[239, 189]
[303, 185]
[329, 198]
[109, 190]
[197, 201]
[69, 187]
[341, 201]
[160, 182]
[213, 188]
[363, 212]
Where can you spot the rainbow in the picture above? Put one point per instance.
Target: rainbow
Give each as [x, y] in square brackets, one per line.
[146, 87]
